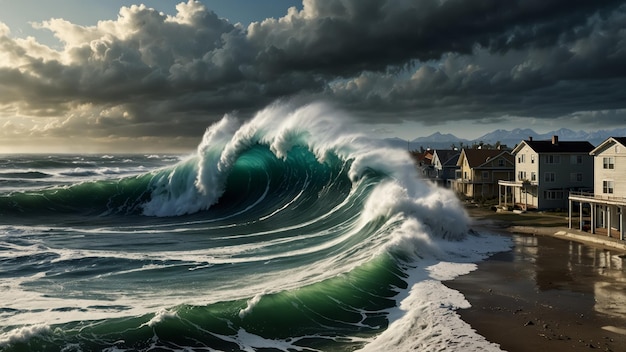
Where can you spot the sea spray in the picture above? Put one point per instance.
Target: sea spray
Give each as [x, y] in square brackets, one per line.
[198, 182]
[24, 333]
[250, 305]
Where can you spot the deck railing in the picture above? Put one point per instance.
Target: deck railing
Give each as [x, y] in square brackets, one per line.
[591, 195]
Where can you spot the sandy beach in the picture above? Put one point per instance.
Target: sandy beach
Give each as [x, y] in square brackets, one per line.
[547, 293]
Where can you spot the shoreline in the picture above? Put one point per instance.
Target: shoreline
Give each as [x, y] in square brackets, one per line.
[548, 292]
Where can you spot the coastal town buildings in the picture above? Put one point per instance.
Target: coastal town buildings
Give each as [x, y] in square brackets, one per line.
[479, 172]
[541, 175]
[444, 166]
[545, 172]
[423, 162]
[608, 200]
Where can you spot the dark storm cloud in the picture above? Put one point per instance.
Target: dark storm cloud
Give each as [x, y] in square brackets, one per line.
[577, 73]
[347, 36]
[148, 74]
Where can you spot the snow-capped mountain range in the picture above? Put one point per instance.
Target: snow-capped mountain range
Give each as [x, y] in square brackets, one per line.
[509, 138]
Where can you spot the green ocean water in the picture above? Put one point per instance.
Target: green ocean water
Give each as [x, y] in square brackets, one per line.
[264, 239]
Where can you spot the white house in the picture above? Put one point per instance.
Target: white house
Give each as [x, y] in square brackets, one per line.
[545, 172]
[608, 200]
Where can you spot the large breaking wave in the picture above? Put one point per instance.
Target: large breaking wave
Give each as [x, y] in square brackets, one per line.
[287, 232]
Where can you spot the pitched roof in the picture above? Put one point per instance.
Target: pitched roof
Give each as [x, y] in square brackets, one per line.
[477, 157]
[422, 158]
[621, 140]
[555, 146]
[447, 156]
[608, 141]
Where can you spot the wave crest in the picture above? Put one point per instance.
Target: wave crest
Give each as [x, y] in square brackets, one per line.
[198, 182]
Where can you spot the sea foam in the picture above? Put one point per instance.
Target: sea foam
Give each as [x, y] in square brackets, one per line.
[23, 334]
[425, 318]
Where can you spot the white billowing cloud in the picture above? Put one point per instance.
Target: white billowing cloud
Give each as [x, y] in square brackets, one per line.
[70, 34]
[4, 30]
[143, 57]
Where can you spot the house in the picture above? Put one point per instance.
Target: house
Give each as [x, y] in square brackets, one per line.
[423, 162]
[444, 165]
[545, 172]
[480, 170]
[608, 200]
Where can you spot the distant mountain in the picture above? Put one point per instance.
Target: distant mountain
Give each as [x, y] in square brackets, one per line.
[510, 138]
[436, 140]
[437, 137]
[600, 136]
[515, 136]
[401, 143]
[505, 137]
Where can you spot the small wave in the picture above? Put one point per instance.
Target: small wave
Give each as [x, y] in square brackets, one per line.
[251, 304]
[79, 173]
[24, 334]
[161, 316]
[25, 175]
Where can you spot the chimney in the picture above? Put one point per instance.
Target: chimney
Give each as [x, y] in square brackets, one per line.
[555, 140]
[530, 138]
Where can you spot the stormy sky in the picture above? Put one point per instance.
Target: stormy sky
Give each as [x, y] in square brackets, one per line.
[156, 76]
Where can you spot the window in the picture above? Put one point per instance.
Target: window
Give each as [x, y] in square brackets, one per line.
[521, 158]
[551, 195]
[521, 175]
[553, 159]
[607, 186]
[500, 162]
[485, 175]
[532, 158]
[608, 162]
[576, 159]
[576, 177]
[549, 177]
[533, 176]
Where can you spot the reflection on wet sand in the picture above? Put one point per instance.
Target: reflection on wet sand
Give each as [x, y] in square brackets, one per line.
[581, 269]
[548, 294]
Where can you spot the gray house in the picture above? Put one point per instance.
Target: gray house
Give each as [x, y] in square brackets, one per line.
[444, 166]
[546, 171]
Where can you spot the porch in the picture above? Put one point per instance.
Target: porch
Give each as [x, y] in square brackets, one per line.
[517, 194]
[606, 214]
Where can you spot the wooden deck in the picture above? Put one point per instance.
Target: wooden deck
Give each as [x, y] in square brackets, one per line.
[602, 232]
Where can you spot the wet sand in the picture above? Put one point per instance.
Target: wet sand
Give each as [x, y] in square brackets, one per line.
[548, 294]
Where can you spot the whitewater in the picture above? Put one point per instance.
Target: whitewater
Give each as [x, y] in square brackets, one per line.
[286, 232]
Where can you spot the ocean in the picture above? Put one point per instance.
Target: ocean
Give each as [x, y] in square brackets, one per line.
[287, 232]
